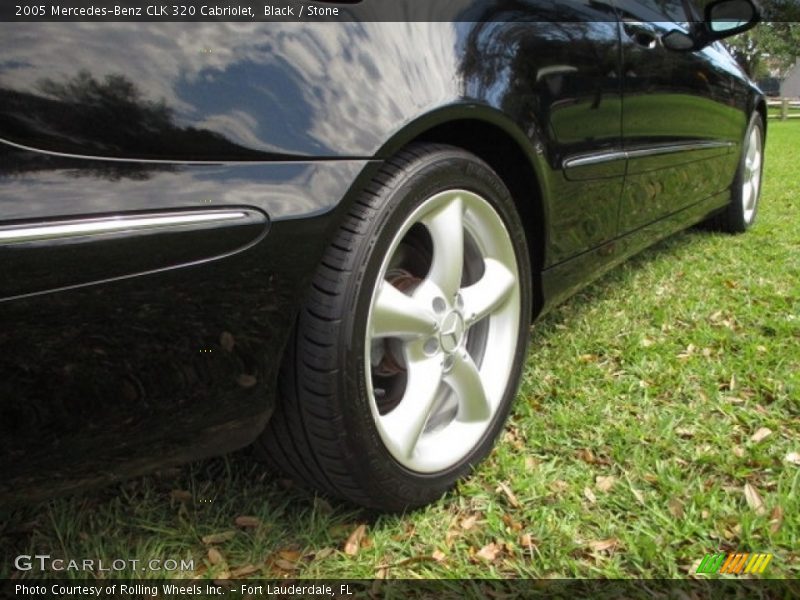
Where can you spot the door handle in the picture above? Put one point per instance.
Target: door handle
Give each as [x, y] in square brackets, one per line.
[641, 34]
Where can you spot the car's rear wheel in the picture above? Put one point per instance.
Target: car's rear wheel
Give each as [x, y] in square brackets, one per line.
[408, 352]
[741, 213]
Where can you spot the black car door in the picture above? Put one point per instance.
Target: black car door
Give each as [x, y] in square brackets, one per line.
[554, 68]
[679, 123]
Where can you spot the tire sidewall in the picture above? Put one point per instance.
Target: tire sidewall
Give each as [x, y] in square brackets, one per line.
[736, 210]
[365, 451]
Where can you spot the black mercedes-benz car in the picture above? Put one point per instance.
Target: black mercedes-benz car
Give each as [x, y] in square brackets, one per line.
[331, 239]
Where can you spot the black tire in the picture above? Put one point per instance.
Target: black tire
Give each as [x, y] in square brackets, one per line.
[323, 433]
[735, 218]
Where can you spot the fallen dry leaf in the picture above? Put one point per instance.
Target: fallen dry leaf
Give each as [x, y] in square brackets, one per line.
[468, 523]
[215, 556]
[776, 519]
[675, 508]
[527, 542]
[559, 486]
[512, 499]
[219, 538]
[603, 545]
[489, 552]
[243, 571]
[792, 458]
[324, 553]
[586, 456]
[589, 495]
[754, 500]
[247, 521]
[638, 495]
[200, 571]
[738, 451]
[451, 535]
[285, 565]
[604, 484]
[438, 555]
[353, 543]
[511, 523]
[290, 555]
[531, 463]
[685, 432]
[760, 434]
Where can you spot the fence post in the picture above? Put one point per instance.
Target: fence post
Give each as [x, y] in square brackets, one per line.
[784, 109]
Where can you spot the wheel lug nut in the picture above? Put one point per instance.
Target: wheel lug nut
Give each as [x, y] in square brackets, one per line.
[439, 305]
[459, 302]
[448, 362]
[431, 346]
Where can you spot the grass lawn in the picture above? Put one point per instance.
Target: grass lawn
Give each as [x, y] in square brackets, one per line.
[659, 420]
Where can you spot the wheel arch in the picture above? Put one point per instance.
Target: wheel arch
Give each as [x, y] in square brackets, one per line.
[495, 139]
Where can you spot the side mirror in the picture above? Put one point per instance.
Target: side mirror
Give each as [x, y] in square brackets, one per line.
[729, 17]
[723, 18]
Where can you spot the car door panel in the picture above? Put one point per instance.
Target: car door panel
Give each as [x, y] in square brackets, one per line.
[554, 68]
[679, 124]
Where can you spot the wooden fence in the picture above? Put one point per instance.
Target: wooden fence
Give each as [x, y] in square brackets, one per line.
[788, 108]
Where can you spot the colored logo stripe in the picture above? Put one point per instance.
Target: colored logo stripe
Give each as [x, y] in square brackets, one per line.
[736, 563]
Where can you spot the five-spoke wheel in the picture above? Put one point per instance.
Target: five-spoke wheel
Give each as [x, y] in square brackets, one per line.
[751, 180]
[442, 330]
[740, 213]
[409, 350]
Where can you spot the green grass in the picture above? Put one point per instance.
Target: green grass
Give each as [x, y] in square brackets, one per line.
[657, 376]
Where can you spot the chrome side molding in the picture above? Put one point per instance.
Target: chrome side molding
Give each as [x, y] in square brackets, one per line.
[594, 159]
[673, 148]
[123, 224]
[612, 155]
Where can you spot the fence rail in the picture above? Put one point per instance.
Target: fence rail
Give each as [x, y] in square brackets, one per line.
[786, 106]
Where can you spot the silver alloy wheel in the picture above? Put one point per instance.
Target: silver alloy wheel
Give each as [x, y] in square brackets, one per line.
[442, 341]
[751, 181]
